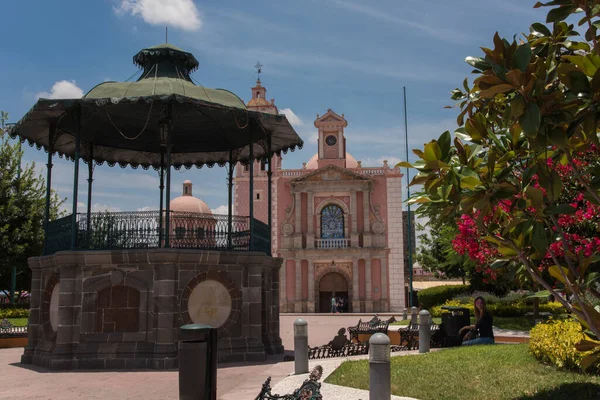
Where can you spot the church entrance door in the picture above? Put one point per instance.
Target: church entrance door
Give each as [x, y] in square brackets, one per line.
[332, 285]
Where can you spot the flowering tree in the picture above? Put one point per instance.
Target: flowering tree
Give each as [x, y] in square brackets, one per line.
[523, 176]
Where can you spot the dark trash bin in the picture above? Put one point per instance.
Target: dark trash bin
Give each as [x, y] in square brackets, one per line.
[197, 362]
[454, 318]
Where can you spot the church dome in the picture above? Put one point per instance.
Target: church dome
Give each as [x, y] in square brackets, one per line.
[188, 203]
[350, 161]
[259, 102]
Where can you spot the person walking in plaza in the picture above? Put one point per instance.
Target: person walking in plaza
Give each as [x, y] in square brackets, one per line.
[482, 326]
[334, 305]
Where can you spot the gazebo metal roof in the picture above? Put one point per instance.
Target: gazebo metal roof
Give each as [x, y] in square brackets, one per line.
[162, 120]
[118, 122]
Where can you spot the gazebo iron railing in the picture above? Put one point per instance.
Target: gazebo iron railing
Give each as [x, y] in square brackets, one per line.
[140, 230]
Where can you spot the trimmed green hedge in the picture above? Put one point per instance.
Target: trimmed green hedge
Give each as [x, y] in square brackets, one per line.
[515, 309]
[440, 294]
[14, 313]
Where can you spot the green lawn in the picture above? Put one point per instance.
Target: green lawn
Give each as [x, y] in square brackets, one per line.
[18, 321]
[472, 373]
[514, 323]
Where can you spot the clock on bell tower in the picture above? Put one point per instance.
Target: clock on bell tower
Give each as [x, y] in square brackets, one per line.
[332, 143]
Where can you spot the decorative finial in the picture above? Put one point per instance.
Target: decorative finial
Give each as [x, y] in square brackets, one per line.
[258, 67]
[166, 34]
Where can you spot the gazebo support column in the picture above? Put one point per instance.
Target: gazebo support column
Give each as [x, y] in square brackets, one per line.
[230, 200]
[89, 197]
[251, 191]
[48, 185]
[75, 189]
[168, 200]
[162, 196]
[270, 195]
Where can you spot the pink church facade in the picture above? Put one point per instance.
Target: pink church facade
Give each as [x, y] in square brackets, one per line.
[337, 225]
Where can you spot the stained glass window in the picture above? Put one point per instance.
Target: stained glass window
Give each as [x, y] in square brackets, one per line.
[332, 222]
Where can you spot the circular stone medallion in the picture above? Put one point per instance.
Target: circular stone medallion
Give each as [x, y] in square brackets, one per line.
[209, 303]
[54, 307]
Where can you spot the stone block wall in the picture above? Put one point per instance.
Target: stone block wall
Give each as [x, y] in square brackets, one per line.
[123, 309]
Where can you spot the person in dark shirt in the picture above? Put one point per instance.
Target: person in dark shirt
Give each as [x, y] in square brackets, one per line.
[483, 325]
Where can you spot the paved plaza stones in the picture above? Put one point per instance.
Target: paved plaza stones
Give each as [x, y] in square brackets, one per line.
[235, 381]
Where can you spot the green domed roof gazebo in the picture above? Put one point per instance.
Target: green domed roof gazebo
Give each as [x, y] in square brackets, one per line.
[112, 288]
[162, 120]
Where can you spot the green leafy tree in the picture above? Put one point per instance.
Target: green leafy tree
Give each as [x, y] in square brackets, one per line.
[523, 175]
[435, 253]
[22, 209]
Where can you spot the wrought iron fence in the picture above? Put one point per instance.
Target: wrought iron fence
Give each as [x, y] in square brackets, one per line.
[261, 237]
[58, 235]
[141, 230]
[8, 330]
[117, 230]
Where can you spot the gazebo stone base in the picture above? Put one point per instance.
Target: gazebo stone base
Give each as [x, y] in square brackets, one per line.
[123, 309]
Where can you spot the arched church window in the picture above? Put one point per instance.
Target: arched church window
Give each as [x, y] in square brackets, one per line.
[179, 232]
[332, 222]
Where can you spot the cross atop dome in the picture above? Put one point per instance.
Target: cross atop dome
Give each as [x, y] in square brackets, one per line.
[258, 67]
[259, 101]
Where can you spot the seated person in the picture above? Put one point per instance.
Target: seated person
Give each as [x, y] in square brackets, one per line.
[483, 325]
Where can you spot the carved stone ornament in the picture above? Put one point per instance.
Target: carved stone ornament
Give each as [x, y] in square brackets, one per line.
[331, 176]
[378, 227]
[287, 229]
[209, 303]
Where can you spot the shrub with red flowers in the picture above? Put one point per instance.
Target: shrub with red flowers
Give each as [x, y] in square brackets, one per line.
[522, 176]
[580, 227]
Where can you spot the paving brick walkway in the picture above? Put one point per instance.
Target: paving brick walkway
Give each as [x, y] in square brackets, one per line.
[234, 381]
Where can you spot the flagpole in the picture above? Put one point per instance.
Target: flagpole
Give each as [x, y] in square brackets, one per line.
[408, 224]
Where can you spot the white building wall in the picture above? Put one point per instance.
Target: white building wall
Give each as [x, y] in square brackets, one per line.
[395, 244]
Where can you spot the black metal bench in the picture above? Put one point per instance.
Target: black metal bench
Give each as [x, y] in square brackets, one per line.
[310, 389]
[375, 325]
[409, 336]
[326, 351]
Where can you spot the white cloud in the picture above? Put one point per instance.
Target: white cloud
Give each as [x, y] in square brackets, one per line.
[292, 117]
[173, 13]
[222, 209]
[82, 207]
[148, 208]
[97, 207]
[62, 90]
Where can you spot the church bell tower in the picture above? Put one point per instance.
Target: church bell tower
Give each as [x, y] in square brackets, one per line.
[332, 143]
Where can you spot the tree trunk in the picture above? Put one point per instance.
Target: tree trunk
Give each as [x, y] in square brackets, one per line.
[536, 310]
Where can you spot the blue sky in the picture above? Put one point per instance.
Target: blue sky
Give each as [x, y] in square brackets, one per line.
[351, 56]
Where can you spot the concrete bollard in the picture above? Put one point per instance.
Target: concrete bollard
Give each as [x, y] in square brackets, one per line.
[300, 346]
[404, 315]
[413, 316]
[424, 331]
[379, 367]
